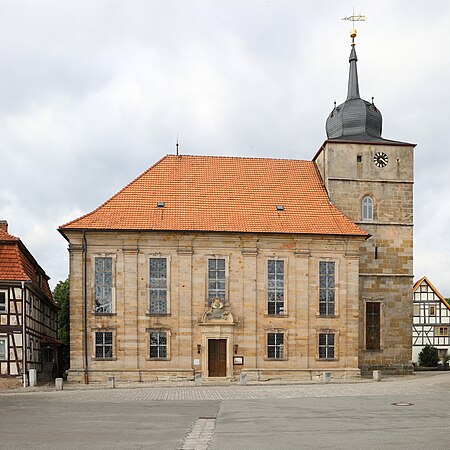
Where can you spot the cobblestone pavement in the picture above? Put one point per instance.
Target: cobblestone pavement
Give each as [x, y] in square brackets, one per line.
[410, 413]
[420, 383]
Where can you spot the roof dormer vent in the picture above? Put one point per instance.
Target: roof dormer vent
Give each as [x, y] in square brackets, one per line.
[160, 205]
[280, 208]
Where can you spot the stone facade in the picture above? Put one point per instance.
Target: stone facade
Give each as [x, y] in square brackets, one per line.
[244, 322]
[386, 259]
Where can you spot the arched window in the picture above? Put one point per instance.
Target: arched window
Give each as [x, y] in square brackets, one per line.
[367, 208]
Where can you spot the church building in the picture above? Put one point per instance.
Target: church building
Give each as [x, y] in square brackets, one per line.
[273, 268]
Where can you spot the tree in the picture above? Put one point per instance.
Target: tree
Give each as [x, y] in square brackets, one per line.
[429, 357]
[61, 296]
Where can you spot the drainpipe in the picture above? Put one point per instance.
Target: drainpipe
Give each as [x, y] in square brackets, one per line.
[85, 344]
[24, 337]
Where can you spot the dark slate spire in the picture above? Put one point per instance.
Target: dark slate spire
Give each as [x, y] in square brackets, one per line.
[355, 119]
[353, 86]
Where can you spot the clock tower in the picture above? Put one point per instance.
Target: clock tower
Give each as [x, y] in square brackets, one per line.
[370, 179]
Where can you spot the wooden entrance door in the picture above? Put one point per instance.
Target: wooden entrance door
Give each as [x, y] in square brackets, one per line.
[217, 357]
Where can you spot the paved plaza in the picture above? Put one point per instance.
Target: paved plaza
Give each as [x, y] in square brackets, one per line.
[409, 412]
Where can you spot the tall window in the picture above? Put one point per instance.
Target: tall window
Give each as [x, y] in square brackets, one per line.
[275, 345]
[103, 285]
[3, 302]
[367, 208]
[158, 344]
[158, 286]
[2, 348]
[326, 345]
[216, 279]
[373, 325]
[103, 344]
[275, 287]
[326, 288]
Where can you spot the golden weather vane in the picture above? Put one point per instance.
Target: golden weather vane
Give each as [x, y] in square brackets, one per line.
[354, 18]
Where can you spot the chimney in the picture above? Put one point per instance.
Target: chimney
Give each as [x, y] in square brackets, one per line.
[4, 225]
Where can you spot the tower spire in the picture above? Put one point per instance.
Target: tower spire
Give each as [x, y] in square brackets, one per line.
[355, 118]
[353, 84]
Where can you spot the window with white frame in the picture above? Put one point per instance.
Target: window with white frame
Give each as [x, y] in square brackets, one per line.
[158, 344]
[275, 287]
[275, 345]
[367, 208]
[3, 302]
[3, 348]
[326, 345]
[103, 285]
[158, 285]
[327, 274]
[103, 344]
[216, 279]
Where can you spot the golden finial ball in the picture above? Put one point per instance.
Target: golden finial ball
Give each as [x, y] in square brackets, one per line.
[353, 33]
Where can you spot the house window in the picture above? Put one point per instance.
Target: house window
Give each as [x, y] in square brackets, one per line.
[373, 325]
[158, 344]
[441, 331]
[2, 348]
[103, 344]
[158, 286]
[326, 345]
[31, 351]
[275, 287]
[216, 279]
[432, 310]
[275, 345]
[103, 285]
[326, 288]
[3, 302]
[416, 310]
[367, 208]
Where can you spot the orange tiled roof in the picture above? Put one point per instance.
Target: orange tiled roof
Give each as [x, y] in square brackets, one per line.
[208, 193]
[17, 264]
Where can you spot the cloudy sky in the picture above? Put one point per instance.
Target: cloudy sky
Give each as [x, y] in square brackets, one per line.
[94, 92]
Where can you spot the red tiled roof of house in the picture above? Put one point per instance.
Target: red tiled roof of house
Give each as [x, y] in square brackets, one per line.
[17, 264]
[225, 194]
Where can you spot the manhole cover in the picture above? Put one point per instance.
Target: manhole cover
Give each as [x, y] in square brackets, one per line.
[402, 404]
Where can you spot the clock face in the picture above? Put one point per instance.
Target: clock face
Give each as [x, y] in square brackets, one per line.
[380, 159]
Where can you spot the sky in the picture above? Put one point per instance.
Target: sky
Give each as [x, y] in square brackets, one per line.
[93, 92]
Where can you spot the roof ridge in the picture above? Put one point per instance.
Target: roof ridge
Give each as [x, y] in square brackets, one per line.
[252, 158]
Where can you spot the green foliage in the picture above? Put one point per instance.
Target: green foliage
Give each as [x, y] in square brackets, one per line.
[61, 296]
[429, 356]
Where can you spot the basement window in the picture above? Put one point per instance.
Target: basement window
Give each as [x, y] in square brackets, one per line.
[160, 205]
[280, 208]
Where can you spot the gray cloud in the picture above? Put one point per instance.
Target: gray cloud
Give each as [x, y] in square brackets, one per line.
[94, 92]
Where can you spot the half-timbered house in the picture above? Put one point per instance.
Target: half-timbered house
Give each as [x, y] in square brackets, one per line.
[28, 313]
[431, 320]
